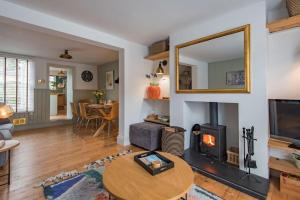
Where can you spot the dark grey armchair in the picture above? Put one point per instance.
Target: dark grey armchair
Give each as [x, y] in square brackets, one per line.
[6, 129]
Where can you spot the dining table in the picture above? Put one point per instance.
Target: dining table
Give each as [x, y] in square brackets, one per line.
[102, 110]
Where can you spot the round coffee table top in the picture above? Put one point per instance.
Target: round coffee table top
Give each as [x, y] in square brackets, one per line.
[126, 179]
[9, 144]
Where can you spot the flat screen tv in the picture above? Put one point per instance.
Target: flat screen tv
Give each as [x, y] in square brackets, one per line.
[285, 120]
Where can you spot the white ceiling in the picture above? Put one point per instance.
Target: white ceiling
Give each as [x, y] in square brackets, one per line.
[18, 40]
[142, 21]
[220, 49]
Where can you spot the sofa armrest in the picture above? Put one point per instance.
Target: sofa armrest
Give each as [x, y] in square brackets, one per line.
[5, 134]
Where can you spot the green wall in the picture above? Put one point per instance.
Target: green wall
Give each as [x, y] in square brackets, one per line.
[110, 94]
[217, 73]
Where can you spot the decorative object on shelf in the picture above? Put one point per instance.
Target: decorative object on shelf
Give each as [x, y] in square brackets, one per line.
[152, 116]
[172, 140]
[99, 94]
[147, 159]
[248, 136]
[164, 118]
[296, 159]
[159, 47]
[66, 55]
[233, 156]
[87, 76]
[153, 91]
[293, 7]
[110, 80]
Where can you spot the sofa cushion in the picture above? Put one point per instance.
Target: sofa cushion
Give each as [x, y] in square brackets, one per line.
[8, 126]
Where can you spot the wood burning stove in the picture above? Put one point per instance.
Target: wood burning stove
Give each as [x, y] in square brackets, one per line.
[213, 136]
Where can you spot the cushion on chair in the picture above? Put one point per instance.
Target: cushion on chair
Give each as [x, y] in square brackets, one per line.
[146, 135]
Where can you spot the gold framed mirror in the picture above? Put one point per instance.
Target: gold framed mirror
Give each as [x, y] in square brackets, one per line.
[218, 63]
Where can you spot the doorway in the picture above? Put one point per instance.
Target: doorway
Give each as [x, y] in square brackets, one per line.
[61, 92]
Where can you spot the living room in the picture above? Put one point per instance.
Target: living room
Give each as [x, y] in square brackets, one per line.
[258, 43]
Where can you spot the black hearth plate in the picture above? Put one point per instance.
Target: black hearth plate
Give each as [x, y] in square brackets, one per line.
[253, 185]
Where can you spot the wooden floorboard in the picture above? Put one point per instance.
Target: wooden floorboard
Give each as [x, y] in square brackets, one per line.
[49, 151]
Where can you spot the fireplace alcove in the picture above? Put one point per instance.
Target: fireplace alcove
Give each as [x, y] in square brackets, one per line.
[217, 126]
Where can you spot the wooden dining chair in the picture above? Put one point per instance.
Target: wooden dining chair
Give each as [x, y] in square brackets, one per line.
[76, 116]
[85, 117]
[112, 116]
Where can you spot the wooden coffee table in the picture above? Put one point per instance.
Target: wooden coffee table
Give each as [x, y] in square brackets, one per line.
[126, 179]
[9, 145]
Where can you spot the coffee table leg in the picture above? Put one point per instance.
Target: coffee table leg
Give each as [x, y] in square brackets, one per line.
[8, 167]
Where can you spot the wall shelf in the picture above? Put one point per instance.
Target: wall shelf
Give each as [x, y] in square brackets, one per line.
[165, 100]
[283, 166]
[159, 56]
[284, 24]
[156, 121]
[282, 145]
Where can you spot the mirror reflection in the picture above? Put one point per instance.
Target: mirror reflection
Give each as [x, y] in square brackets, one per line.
[214, 64]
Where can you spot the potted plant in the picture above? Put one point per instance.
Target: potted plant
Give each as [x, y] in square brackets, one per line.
[153, 91]
[99, 94]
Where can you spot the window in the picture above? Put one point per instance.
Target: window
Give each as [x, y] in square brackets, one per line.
[17, 83]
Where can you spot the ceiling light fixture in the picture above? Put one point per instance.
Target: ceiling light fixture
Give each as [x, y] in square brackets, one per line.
[66, 55]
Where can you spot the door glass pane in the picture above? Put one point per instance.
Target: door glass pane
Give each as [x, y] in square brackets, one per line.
[11, 82]
[31, 83]
[22, 85]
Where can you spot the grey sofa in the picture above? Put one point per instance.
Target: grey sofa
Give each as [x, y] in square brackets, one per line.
[6, 129]
[146, 135]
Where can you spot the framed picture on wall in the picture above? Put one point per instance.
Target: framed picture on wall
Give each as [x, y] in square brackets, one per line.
[235, 78]
[110, 80]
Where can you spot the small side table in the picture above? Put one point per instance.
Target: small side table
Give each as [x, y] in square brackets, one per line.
[9, 145]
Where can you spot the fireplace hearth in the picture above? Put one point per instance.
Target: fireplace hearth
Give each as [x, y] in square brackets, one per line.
[207, 155]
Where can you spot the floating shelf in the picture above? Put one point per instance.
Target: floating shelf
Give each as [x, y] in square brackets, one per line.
[282, 145]
[156, 121]
[159, 56]
[167, 100]
[284, 24]
[283, 166]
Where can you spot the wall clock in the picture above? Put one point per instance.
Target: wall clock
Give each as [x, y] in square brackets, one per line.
[87, 76]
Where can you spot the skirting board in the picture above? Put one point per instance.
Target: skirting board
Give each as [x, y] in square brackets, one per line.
[42, 125]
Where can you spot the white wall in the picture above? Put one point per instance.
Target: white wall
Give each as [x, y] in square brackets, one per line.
[253, 106]
[42, 71]
[283, 72]
[131, 57]
[199, 72]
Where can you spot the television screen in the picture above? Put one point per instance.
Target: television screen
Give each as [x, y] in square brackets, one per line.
[285, 118]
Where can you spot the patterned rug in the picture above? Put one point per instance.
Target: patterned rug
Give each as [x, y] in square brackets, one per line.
[87, 185]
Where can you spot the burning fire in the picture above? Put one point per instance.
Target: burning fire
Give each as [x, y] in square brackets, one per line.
[209, 140]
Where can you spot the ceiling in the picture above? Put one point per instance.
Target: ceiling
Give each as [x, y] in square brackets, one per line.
[220, 49]
[19, 40]
[142, 21]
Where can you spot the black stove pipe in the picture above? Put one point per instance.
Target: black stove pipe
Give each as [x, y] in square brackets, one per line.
[213, 113]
